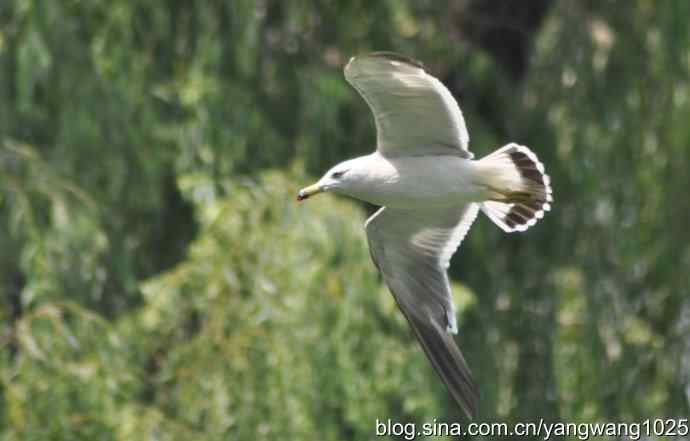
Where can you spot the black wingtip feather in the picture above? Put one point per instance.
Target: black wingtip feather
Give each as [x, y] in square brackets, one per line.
[449, 363]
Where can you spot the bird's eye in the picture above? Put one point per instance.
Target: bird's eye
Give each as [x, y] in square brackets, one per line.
[338, 174]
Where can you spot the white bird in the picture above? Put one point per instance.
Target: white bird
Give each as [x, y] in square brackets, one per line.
[430, 190]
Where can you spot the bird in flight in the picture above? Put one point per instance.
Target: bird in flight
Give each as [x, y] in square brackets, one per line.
[430, 190]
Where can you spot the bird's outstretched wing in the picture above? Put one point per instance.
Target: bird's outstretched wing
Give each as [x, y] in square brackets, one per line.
[412, 249]
[414, 112]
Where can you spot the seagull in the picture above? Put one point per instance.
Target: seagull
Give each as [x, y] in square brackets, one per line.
[430, 190]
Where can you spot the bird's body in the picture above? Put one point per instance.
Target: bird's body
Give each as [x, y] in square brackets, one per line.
[404, 182]
[430, 189]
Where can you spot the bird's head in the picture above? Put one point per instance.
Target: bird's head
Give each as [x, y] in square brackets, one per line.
[338, 179]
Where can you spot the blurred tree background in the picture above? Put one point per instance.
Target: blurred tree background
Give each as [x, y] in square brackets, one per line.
[158, 281]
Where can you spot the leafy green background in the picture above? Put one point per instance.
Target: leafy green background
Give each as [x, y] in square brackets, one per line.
[158, 281]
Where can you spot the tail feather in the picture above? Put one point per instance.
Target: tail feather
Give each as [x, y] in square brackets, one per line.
[519, 190]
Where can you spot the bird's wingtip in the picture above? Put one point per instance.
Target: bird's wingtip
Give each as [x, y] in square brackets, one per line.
[394, 56]
[388, 55]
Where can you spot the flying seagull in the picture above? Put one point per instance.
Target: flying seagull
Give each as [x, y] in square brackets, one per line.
[430, 190]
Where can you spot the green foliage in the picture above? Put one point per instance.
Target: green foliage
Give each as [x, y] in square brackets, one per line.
[265, 307]
[619, 114]
[158, 280]
[260, 319]
[71, 376]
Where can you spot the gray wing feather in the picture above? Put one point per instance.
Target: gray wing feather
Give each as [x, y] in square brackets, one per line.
[414, 112]
[411, 249]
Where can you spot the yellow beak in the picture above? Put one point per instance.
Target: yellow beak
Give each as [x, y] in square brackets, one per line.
[308, 191]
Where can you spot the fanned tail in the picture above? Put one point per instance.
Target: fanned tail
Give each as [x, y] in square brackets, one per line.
[519, 189]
